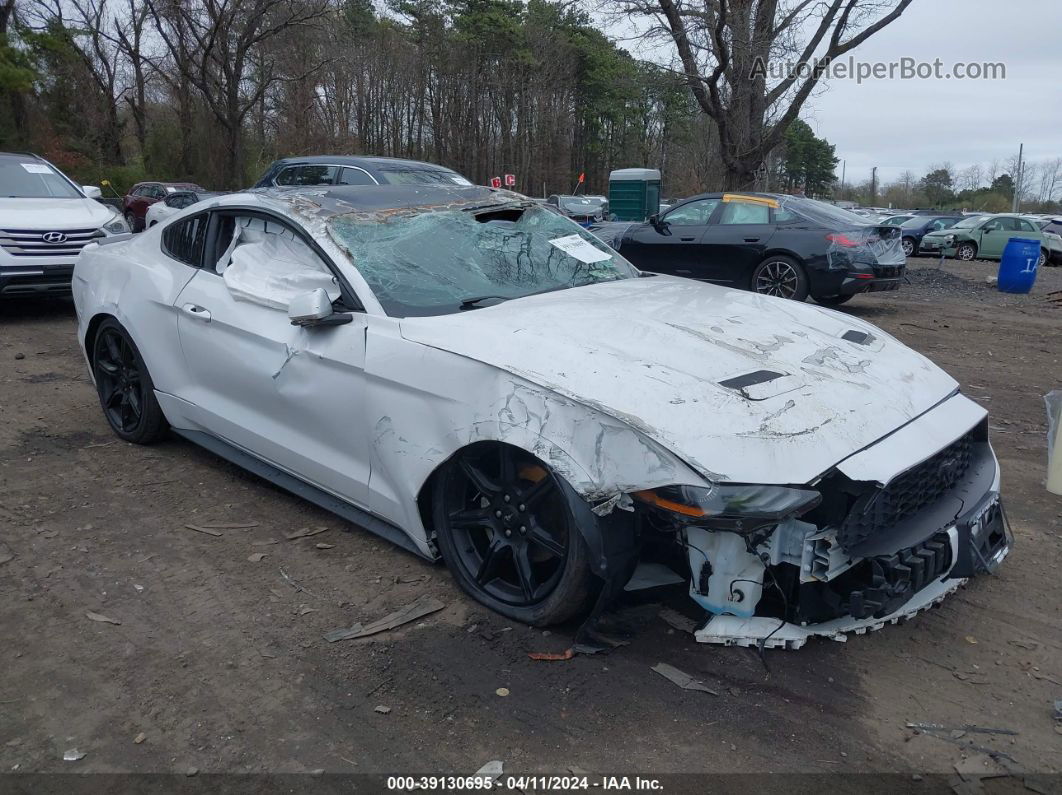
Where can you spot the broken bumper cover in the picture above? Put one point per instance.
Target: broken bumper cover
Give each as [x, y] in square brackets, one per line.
[977, 543]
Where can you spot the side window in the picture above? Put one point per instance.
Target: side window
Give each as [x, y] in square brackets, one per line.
[184, 241]
[784, 216]
[265, 262]
[1010, 224]
[745, 213]
[307, 175]
[355, 176]
[177, 201]
[695, 213]
[1026, 226]
[940, 223]
[993, 225]
[140, 190]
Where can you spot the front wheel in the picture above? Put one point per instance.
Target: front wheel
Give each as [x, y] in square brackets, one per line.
[909, 247]
[781, 277]
[1043, 258]
[508, 535]
[126, 391]
[131, 220]
[832, 300]
[966, 252]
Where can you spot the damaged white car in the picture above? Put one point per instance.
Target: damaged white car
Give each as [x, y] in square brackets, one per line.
[478, 379]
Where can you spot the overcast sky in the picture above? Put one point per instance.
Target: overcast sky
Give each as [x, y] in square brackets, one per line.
[898, 125]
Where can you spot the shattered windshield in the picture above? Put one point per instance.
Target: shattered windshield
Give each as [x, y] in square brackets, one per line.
[437, 262]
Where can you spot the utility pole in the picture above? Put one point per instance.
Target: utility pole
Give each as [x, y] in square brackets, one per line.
[873, 185]
[1018, 180]
[843, 164]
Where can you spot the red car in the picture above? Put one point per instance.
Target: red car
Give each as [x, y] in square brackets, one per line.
[144, 194]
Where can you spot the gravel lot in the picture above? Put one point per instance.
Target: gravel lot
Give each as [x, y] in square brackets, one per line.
[218, 662]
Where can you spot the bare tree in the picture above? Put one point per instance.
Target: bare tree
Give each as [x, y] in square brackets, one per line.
[213, 43]
[730, 51]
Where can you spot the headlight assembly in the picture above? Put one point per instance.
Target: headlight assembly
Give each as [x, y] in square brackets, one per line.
[738, 508]
[116, 226]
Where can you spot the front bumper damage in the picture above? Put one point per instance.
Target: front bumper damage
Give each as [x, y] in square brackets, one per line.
[873, 552]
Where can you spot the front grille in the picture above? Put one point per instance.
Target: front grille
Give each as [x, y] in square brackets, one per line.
[907, 493]
[31, 242]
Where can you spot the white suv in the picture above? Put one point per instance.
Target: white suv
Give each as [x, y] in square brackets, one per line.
[45, 221]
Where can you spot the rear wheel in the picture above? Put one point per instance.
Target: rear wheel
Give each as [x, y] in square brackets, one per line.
[126, 392]
[909, 247]
[832, 300]
[781, 277]
[1043, 258]
[508, 535]
[130, 219]
[966, 251]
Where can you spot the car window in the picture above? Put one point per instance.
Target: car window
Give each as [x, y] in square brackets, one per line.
[696, 213]
[784, 216]
[266, 262]
[355, 176]
[178, 200]
[429, 262]
[745, 213]
[1004, 224]
[940, 223]
[422, 176]
[184, 240]
[1026, 226]
[307, 175]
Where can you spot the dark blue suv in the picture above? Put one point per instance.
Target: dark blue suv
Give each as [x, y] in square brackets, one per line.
[918, 226]
[347, 170]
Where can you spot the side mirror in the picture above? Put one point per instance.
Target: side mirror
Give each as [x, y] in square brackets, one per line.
[315, 309]
[92, 192]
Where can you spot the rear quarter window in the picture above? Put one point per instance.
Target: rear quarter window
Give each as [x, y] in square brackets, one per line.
[184, 240]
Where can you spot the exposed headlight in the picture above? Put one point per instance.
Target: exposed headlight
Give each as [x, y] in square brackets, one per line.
[739, 508]
[116, 226]
[949, 241]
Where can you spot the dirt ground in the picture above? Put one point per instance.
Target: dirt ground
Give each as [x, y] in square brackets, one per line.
[218, 662]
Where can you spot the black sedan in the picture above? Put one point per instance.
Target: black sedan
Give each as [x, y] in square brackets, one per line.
[777, 245]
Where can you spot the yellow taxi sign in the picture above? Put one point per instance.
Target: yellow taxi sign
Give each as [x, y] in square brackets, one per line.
[740, 197]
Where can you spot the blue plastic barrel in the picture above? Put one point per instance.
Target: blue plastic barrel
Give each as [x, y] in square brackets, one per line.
[1017, 267]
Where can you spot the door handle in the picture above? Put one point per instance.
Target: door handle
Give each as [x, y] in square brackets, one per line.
[752, 240]
[687, 239]
[196, 311]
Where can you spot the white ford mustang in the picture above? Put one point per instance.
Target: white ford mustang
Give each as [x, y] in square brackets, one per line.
[472, 376]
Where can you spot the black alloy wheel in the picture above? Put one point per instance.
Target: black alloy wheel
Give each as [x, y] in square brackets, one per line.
[781, 277]
[508, 534]
[125, 389]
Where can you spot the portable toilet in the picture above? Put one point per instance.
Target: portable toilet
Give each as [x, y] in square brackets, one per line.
[633, 193]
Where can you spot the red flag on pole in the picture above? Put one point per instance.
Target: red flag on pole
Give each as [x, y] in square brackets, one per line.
[582, 177]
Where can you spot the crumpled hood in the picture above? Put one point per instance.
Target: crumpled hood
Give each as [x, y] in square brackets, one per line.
[49, 214]
[653, 351]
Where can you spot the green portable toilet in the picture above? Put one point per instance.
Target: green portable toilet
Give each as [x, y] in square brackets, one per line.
[633, 193]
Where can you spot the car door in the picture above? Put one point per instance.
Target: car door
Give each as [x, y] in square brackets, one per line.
[671, 245]
[995, 234]
[736, 241]
[290, 395]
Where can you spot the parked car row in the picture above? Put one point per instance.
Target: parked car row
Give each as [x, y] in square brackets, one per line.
[982, 237]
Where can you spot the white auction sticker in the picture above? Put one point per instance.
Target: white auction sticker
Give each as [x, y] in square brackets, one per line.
[582, 250]
[36, 168]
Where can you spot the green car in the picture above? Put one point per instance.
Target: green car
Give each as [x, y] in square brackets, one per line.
[982, 237]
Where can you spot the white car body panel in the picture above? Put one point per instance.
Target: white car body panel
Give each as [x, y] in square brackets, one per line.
[651, 352]
[158, 212]
[616, 386]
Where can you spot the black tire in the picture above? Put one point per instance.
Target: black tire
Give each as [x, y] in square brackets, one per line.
[1043, 258]
[124, 386]
[508, 535]
[780, 276]
[152, 224]
[910, 247]
[134, 225]
[833, 300]
[966, 252]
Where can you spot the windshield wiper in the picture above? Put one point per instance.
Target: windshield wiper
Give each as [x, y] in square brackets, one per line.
[474, 302]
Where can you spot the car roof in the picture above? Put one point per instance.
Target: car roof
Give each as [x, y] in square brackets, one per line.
[22, 157]
[372, 161]
[325, 201]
